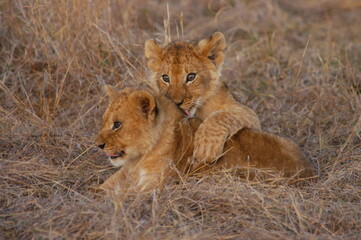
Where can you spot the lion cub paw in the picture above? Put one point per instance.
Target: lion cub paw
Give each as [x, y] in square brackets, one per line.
[115, 192]
[208, 147]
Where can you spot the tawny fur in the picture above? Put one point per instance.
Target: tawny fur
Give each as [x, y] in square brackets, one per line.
[206, 97]
[157, 142]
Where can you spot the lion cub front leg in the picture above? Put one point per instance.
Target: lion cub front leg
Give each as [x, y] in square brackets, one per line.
[151, 173]
[216, 129]
[117, 184]
[209, 141]
[142, 178]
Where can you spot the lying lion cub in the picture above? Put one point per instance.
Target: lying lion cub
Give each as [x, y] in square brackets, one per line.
[149, 136]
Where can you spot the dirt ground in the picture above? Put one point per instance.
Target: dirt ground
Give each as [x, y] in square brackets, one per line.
[296, 63]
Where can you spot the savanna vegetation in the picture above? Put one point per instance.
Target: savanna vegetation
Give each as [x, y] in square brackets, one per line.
[296, 63]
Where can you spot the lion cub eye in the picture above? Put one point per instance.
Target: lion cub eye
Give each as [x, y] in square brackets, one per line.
[191, 77]
[116, 125]
[165, 78]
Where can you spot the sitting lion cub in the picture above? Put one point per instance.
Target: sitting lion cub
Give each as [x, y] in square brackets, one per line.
[188, 74]
[148, 135]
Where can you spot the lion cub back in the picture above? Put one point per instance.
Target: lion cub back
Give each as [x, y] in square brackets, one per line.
[247, 149]
[256, 149]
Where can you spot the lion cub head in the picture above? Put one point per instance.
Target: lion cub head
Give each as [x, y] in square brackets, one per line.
[187, 73]
[126, 130]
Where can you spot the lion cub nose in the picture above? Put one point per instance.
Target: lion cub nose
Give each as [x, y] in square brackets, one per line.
[101, 146]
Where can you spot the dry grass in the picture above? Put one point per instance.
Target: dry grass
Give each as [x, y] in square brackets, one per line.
[297, 64]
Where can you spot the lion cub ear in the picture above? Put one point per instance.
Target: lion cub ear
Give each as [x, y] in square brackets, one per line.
[153, 53]
[212, 48]
[145, 103]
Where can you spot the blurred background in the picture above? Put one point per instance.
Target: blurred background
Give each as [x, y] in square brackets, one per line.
[296, 63]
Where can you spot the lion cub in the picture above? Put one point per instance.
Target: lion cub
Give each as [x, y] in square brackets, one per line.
[149, 136]
[188, 74]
